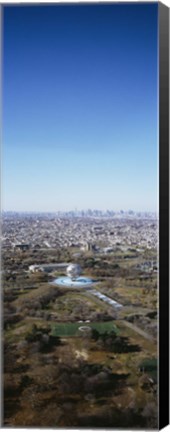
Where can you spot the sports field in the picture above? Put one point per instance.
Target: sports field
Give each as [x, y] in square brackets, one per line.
[72, 329]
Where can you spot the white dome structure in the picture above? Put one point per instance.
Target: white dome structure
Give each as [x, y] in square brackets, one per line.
[73, 271]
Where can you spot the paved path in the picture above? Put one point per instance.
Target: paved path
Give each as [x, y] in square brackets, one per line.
[116, 305]
[137, 330]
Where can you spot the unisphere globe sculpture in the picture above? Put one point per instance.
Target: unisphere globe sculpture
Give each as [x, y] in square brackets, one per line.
[73, 271]
[73, 278]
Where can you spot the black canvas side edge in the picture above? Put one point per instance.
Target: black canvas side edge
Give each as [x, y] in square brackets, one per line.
[163, 16]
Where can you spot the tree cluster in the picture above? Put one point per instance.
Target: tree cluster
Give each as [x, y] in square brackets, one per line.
[46, 342]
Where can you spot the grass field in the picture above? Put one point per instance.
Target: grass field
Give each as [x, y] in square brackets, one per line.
[70, 329]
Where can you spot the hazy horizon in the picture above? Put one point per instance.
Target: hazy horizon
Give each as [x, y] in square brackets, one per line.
[80, 107]
[85, 210]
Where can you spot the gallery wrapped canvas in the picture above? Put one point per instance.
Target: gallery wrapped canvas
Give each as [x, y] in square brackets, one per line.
[84, 249]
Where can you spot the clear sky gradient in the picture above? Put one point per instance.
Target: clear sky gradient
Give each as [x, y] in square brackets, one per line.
[80, 107]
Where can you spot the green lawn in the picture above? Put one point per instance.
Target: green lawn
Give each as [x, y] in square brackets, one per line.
[70, 329]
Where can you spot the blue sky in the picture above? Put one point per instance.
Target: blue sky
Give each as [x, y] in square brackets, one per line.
[80, 107]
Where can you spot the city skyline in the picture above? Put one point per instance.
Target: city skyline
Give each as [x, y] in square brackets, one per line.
[80, 107]
[84, 211]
